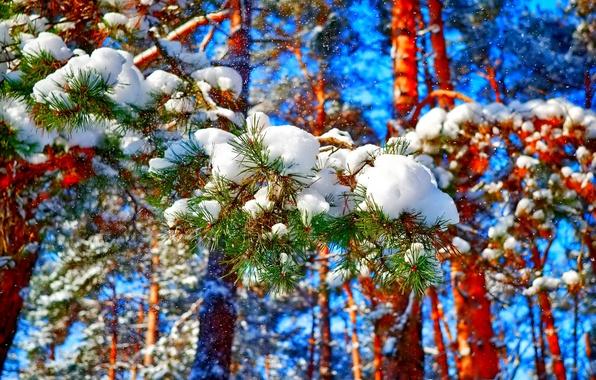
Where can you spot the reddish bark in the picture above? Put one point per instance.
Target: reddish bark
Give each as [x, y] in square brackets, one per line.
[441, 61]
[325, 370]
[377, 352]
[310, 370]
[12, 281]
[16, 232]
[407, 361]
[153, 312]
[552, 337]
[548, 319]
[352, 311]
[478, 355]
[403, 47]
[436, 318]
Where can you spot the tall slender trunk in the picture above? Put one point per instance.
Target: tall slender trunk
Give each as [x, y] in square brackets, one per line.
[325, 369]
[310, 369]
[352, 311]
[403, 49]
[137, 345]
[407, 360]
[217, 314]
[217, 318]
[548, 320]
[478, 355]
[441, 60]
[113, 335]
[436, 318]
[377, 351]
[153, 312]
[552, 337]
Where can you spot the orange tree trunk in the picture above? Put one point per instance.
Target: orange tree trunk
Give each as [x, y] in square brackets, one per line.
[478, 355]
[403, 48]
[356, 366]
[436, 318]
[551, 335]
[441, 61]
[153, 313]
[325, 371]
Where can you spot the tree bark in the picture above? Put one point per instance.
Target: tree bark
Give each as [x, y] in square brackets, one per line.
[153, 312]
[552, 337]
[325, 369]
[407, 360]
[441, 60]
[12, 282]
[404, 50]
[478, 355]
[217, 318]
[217, 314]
[352, 311]
[14, 235]
[436, 318]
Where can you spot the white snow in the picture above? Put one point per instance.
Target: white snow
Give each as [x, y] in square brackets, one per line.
[222, 77]
[162, 82]
[172, 213]
[207, 138]
[462, 245]
[279, 229]
[296, 148]
[429, 126]
[526, 162]
[337, 135]
[157, 164]
[311, 203]
[115, 18]
[227, 163]
[570, 278]
[399, 184]
[257, 121]
[210, 209]
[49, 43]
[357, 158]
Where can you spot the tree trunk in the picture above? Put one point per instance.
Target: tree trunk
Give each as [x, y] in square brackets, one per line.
[12, 282]
[436, 318]
[352, 311]
[478, 355]
[14, 235]
[113, 335]
[217, 317]
[407, 360]
[377, 351]
[441, 61]
[552, 338]
[153, 312]
[403, 49]
[325, 369]
[217, 314]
